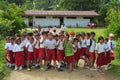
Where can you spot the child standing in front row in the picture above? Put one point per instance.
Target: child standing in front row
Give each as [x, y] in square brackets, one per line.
[68, 47]
[19, 55]
[60, 52]
[100, 50]
[30, 52]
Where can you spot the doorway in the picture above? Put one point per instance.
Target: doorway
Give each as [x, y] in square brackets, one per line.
[61, 20]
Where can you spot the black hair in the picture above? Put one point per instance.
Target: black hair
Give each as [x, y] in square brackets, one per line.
[92, 33]
[18, 35]
[30, 34]
[100, 38]
[12, 38]
[106, 39]
[88, 34]
[82, 33]
[75, 39]
[19, 39]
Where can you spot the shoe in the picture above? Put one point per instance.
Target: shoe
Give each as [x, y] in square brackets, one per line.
[16, 68]
[106, 68]
[20, 68]
[28, 69]
[42, 68]
[59, 69]
[92, 69]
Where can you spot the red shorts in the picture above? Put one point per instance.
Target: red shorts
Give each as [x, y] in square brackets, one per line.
[42, 53]
[107, 58]
[51, 55]
[36, 53]
[10, 54]
[92, 55]
[76, 56]
[60, 55]
[19, 58]
[30, 56]
[101, 59]
[83, 51]
[69, 59]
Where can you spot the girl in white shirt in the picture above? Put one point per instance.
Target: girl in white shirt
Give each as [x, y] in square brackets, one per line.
[100, 50]
[30, 52]
[19, 54]
[60, 52]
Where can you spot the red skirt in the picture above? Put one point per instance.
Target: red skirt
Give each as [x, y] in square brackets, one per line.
[42, 53]
[12, 59]
[36, 53]
[83, 51]
[92, 55]
[69, 59]
[60, 55]
[19, 58]
[101, 59]
[76, 56]
[50, 55]
[30, 56]
[107, 58]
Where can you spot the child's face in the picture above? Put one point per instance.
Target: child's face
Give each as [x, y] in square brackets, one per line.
[83, 35]
[37, 37]
[61, 38]
[111, 38]
[101, 40]
[92, 36]
[18, 42]
[50, 36]
[87, 36]
[75, 42]
[105, 41]
[66, 38]
[12, 41]
[31, 40]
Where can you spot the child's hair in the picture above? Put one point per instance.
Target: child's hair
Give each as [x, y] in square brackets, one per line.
[8, 37]
[30, 34]
[83, 33]
[88, 34]
[19, 39]
[92, 33]
[31, 38]
[67, 35]
[78, 34]
[44, 33]
[60, 35]
[37, 34]
[75, 39]
[12, 38]
[100, 38]
[106, 39]
[18, 35]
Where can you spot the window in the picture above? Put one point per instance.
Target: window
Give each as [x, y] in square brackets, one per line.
[55, 17]
[71, 17]
[40, 16]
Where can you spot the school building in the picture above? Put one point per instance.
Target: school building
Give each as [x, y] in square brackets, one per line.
[57, 18]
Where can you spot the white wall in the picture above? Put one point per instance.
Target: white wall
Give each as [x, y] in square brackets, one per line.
[48, 21]
[76, 22]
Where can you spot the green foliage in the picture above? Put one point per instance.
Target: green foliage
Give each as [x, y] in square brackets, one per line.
[11, 20]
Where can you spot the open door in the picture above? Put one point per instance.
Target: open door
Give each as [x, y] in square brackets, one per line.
[30, 22]
[61, 20]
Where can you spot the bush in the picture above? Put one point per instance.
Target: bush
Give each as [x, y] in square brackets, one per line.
[11, 20]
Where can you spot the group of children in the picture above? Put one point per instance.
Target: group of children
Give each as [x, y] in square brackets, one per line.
[46, 48]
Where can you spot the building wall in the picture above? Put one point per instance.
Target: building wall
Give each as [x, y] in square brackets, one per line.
[48, 21]
[78, 22]
[26, 21]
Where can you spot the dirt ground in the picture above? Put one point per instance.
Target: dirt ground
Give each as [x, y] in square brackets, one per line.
[80, 74]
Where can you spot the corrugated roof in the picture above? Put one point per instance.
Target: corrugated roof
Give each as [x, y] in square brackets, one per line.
[59, 13]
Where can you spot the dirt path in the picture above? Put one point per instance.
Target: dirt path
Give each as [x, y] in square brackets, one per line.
[80, 74]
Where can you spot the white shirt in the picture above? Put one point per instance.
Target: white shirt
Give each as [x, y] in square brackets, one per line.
[9, 46]
[107, 47]
[41, 40]
[92, 47]
[100, 48]
[79, 45]
[88, 42]
[84, 43]
[30, 46]
[50, 44]
[37, 44]
[18, 48]
[60, 46]
[74, 50]
[24, 42]
[113, 44]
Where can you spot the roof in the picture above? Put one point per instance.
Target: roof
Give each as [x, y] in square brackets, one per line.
[60, 13]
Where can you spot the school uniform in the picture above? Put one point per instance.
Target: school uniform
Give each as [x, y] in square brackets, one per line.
[101, 54]
[108, 56]
[30, 51]
[19, 55]
[112, 45]
[42, 49]
[83, 47]
[10, 54]
[36, 50]
[92, 50]
[76, 53]
[79, 49]
[51, 45]
[6, 56]
[60, 51]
